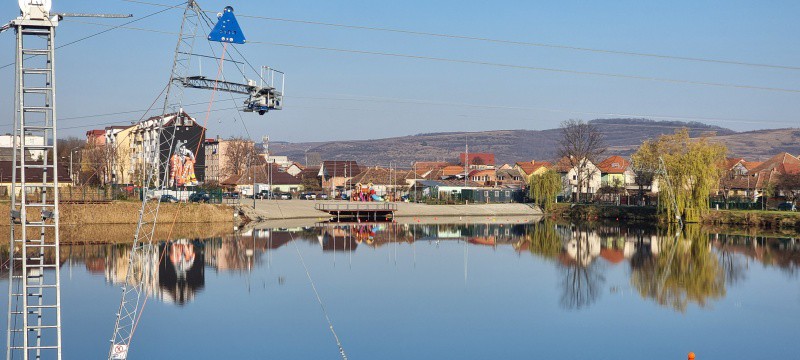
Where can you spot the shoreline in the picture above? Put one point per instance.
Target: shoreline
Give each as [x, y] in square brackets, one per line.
[275, 210]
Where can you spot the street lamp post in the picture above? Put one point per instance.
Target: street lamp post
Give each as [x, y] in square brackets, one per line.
[71, 173]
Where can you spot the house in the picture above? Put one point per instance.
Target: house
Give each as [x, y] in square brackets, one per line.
[615, 172]
[477, 161]
[453, 172]
[7, 142]
[96, 137]
[381, 180]
[574, 179]
[770, 171]
[337, 174]
[484, 177]
[737, 179]
[494, 195]
[150, 146]
[264, 176]
[510, 177]
[32, 176]
[441, 189]
[533, 167]
[294, 169]
[281, 160]
[226, 158]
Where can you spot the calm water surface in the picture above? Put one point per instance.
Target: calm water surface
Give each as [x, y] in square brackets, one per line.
[446, 291]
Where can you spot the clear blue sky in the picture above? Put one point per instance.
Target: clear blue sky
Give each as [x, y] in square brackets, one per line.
[334, 95]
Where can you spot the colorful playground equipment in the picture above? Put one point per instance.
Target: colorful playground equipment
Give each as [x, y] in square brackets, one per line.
[364, 193]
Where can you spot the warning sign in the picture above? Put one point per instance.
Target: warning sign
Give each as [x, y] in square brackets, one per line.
[119, 352]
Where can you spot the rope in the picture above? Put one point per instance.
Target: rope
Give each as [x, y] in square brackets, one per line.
[316, 293]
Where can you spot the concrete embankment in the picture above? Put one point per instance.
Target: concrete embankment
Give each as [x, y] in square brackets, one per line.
[127, 212]
[304, 209]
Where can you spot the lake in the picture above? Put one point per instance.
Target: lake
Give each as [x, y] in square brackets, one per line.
[467, 290]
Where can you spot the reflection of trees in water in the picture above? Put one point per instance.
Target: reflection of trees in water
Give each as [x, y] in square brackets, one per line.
[574, 248]
[686, 271]
[733, 266]
[582, 278]
[543, 240]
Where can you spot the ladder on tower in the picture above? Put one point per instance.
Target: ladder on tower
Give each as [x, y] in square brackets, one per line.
[34, 307]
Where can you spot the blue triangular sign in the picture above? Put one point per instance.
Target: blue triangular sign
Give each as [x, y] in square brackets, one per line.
[227, 29]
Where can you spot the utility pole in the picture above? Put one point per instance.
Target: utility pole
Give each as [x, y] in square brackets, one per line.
[34, 279]
[466, 161]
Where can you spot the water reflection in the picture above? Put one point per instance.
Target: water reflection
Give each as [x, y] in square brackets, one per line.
[695, 268]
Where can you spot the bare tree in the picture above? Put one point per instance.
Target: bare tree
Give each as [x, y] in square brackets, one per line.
[65, 146]
[581, 144]
[239, 153]
[94, 164]
[119, 157]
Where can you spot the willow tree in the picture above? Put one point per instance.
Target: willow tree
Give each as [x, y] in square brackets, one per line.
[544, 188]
[685, 271]
[692, 166]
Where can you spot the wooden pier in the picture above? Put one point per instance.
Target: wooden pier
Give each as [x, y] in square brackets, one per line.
[355, 211]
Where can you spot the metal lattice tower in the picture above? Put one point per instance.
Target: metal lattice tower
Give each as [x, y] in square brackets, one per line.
[34, 306]
[139, 265]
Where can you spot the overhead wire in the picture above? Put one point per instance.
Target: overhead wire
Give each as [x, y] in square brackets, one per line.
[112, 27]
[503, 41]
[517, 66]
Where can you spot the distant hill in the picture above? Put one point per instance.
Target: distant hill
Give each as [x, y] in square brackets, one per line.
[755, 145]
[622, 137]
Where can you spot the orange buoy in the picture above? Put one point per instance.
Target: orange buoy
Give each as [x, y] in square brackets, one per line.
[691, 356]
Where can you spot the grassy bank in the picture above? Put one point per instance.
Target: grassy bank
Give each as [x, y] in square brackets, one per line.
[127, 212]
[593, 212]
[756, 219]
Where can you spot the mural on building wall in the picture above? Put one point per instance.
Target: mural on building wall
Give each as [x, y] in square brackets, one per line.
[181, 168]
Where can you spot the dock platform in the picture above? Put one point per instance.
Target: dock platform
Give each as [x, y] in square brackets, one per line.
[375, 211]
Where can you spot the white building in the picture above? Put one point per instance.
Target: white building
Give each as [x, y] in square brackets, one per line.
[7, 141]
[587, 181]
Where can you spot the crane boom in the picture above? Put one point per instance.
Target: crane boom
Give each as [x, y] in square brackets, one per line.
[202, 82]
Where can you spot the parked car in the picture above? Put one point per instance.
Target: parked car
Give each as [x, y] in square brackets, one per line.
[308, 196]
[230, 195]
[322, 196]
[166, 198]
[199, 196]
[787, 206]
[263, 194]
[286, 196]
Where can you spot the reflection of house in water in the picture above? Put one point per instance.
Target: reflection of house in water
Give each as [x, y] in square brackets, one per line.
[181, 273]
[173, 271]
[347, 237]
[243, 251]
[612, 243]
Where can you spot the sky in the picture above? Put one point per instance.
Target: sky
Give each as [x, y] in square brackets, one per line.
[113, 77]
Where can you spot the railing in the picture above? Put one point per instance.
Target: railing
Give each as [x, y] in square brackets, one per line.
[356, 206]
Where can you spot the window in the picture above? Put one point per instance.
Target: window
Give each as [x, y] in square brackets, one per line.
[508, 193]
[496, 194]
